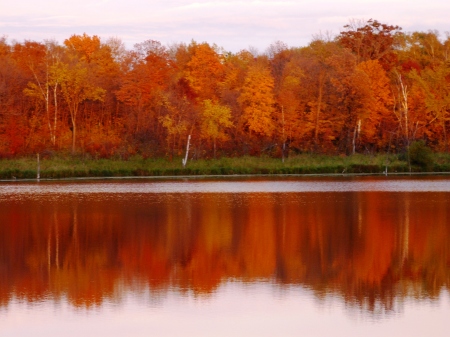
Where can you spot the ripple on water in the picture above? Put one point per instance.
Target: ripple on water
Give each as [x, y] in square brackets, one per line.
[16, 190]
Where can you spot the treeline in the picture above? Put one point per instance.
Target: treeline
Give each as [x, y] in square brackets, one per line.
[372, 88]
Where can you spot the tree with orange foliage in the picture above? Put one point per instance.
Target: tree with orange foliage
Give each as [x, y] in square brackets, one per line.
[235, 69]
[257, 101]
[18, 118]
[41, 60]
[376, 127]
[84, 45]
[315, 93]
[204, 71]
[289, 104]
[348, 99]
[436, 84]
[144, 81]
[371, 40]
[178, 120]
[286, 73]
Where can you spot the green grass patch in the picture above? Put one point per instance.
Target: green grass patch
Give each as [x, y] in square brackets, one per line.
[71, 167]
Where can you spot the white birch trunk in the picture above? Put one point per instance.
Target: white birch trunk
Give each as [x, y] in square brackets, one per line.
[184, 161]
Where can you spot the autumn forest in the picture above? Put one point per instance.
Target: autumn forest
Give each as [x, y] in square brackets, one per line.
[372, 88]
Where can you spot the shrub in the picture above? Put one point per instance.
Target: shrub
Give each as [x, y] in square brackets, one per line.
[421, 155]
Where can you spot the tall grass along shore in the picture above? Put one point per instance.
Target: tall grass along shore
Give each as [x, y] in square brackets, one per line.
[74, 167]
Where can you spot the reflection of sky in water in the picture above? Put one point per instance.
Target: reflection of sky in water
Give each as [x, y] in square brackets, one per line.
[235, 309]
[199, 186]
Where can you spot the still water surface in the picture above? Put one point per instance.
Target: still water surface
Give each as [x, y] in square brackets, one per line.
[285, 257]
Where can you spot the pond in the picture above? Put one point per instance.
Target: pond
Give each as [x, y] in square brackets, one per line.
[234, 257]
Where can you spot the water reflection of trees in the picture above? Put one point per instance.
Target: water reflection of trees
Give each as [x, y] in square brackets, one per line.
[373, 249]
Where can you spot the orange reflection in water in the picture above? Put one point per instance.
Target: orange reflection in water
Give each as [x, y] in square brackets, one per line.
[369, 247]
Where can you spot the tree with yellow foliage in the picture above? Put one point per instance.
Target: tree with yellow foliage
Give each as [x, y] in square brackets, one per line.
[214, 119]
[77, 85]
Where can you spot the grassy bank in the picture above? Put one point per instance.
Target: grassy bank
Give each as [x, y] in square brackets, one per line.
[68, 167]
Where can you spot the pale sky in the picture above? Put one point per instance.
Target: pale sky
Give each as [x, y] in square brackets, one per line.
[231, 24]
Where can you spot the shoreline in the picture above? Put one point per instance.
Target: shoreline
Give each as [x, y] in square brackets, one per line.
[230, 176]
[76, 168]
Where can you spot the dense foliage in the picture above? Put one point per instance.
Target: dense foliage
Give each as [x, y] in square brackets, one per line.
[370, 89]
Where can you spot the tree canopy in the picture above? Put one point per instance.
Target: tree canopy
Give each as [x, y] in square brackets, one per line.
[371, 88]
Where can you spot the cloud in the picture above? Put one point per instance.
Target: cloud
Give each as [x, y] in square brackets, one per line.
[234, 24]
